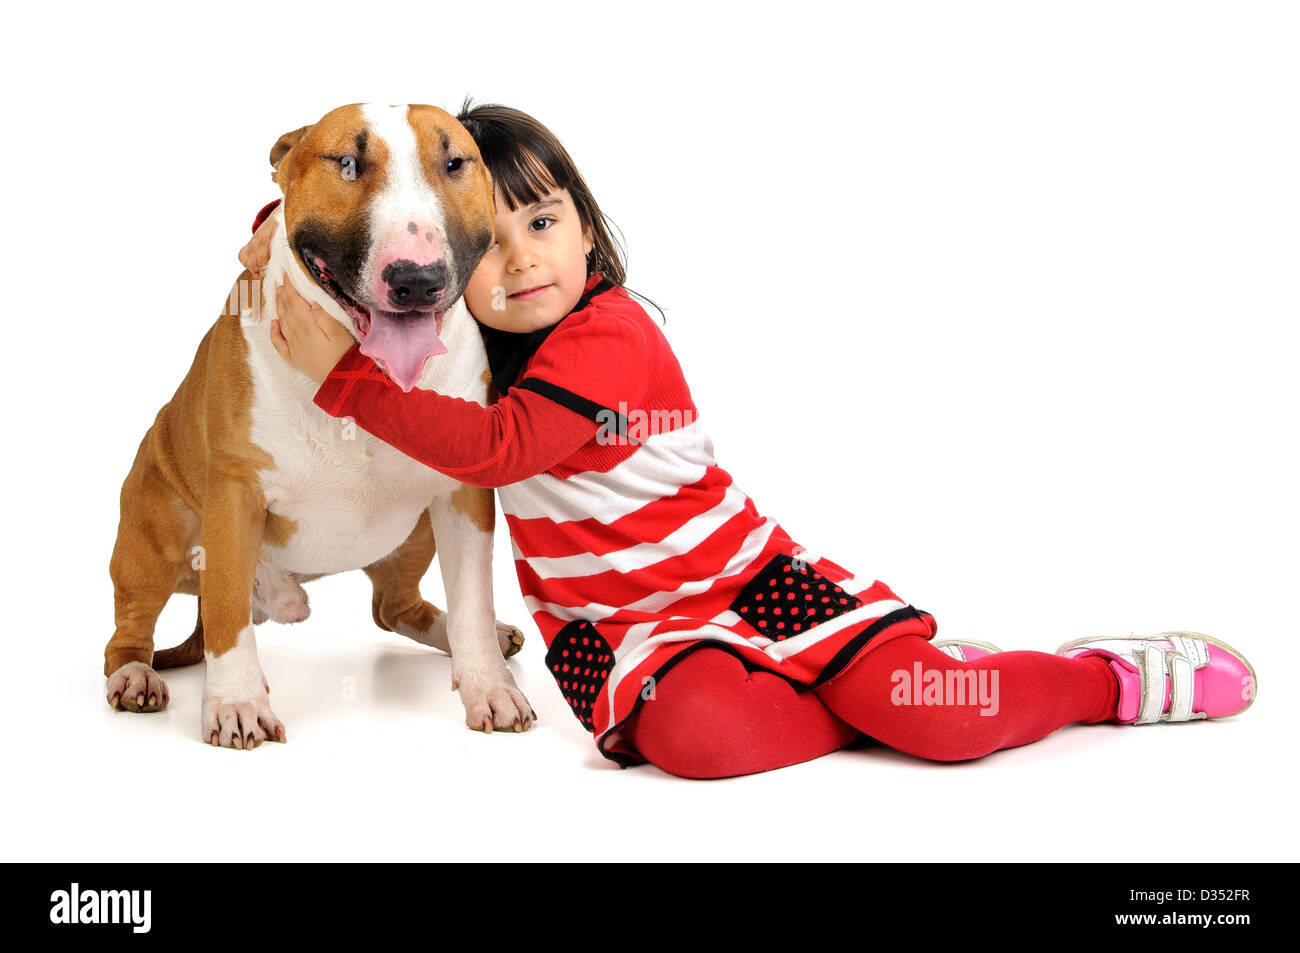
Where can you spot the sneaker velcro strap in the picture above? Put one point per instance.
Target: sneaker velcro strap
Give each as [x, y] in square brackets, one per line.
[1179, 663]
[1187, 656]
[1154, 669]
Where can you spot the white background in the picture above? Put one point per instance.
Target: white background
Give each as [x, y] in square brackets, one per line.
[995, 301]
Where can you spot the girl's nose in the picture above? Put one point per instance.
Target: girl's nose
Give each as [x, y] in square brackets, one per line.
[519, 257]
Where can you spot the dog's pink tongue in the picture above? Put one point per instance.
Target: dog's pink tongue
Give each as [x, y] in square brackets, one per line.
[403, 342]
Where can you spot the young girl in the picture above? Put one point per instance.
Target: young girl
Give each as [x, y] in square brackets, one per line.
[682, 626]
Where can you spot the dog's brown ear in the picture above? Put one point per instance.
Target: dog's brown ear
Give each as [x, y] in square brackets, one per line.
[282, 147]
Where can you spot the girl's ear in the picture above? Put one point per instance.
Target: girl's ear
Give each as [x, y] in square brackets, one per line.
[588, 243]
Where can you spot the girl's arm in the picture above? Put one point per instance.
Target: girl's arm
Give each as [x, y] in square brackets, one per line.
[520, 436]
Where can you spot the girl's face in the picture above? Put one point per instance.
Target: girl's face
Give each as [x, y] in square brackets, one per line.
[534, 274]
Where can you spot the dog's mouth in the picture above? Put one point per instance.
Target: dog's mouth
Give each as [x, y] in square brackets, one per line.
[398, 341]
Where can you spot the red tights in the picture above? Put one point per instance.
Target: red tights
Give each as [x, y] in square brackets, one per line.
[712, 718]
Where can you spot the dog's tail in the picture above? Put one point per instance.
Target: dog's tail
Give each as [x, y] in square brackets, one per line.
[187, 653]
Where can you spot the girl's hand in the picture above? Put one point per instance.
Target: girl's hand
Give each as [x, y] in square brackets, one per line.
[306, 336]
[257, 252]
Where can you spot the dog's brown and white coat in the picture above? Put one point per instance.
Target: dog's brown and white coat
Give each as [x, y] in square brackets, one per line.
[243, 489]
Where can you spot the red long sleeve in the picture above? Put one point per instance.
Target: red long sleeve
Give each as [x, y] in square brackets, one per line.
[598, 354]
[264, 214]
[520, 436]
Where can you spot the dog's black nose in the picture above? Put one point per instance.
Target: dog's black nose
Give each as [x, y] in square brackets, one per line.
[414, 286]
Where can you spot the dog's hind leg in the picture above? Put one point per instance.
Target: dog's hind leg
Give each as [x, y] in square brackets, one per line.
[150, 558]
[397, 605]
[278, 595]
[189, 652]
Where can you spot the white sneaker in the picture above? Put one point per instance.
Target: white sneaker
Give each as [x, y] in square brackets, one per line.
[1173, 676]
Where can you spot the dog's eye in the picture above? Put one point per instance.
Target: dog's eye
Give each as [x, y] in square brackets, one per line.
[348, 167]
[454, 165]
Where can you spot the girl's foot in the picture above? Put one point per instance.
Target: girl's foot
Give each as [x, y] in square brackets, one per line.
[1173, 676]
[966, 650]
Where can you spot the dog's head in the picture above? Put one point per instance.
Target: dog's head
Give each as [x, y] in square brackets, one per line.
[389, 209]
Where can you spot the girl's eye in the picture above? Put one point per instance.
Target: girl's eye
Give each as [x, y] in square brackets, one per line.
[349, 168]
[544, 218]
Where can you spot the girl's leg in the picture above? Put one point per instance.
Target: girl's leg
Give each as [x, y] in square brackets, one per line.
[1010, 699]
[712, 718]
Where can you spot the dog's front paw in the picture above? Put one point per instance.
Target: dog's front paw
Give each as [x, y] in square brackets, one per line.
[493, 700]
[234, 722]
[136, 687]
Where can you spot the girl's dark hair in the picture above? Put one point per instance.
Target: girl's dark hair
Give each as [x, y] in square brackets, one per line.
[526, 162]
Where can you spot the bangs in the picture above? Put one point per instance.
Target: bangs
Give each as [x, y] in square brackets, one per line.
[521, 179]
[525, 160]
[520, 176]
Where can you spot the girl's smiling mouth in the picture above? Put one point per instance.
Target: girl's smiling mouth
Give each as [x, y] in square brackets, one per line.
[529, 293]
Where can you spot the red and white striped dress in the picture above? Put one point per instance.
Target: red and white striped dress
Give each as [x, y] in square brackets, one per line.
[632, 546]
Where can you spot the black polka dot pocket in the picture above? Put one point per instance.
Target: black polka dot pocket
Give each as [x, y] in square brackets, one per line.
[580, 660]
[788, 597]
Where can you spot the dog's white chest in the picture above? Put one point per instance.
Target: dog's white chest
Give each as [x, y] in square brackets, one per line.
[352, 498]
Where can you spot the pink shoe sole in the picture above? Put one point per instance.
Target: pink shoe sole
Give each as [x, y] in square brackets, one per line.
[966, 650]
[1200, 676]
